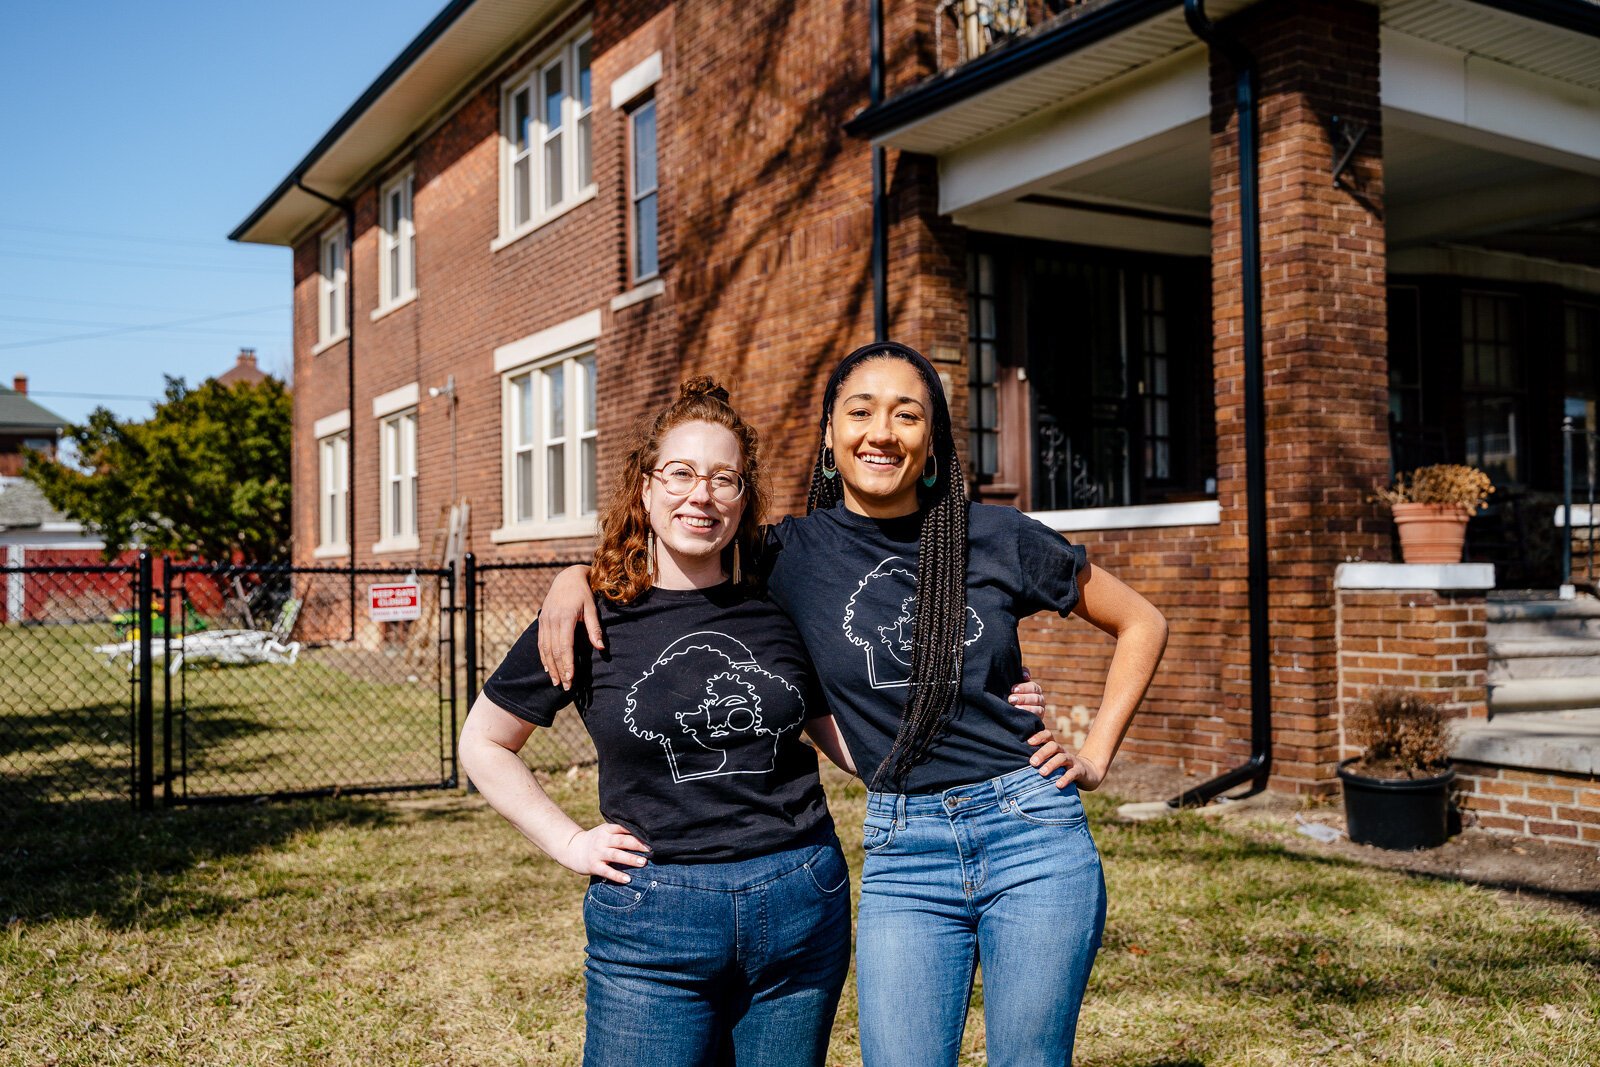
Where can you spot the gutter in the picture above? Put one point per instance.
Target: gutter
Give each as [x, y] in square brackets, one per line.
[880, 206]
[349, 209]
[1579, 16]
[391, 74]
[1256, 769]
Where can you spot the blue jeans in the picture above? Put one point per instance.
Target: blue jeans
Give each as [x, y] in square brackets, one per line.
[1003, 872]
[719, 963]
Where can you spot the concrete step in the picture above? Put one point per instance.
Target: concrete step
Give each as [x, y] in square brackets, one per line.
[1546, 657]
[1565, 741]
[1544, 694]
[1515, 620]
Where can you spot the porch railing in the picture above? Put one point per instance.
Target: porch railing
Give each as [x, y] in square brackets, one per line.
[1590, 440]
[981, 25]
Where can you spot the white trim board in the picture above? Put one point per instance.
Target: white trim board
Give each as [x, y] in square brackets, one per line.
[636, 81]
[1442, 576]
[558, 338]
[1133, 516]
[329, 425]
[395, 400]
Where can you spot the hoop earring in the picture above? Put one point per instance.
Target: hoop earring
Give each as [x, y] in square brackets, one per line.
[929, 479]
[736, 576]
[830, 469]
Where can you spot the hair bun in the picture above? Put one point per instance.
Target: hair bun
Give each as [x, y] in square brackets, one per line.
[702, 385]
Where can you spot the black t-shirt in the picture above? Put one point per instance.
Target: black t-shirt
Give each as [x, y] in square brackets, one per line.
[695, 708]
[849, 583]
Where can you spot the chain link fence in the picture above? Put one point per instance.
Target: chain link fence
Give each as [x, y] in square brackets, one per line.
[505, 598]
[281, 682]
[68, 698]
[196, 682]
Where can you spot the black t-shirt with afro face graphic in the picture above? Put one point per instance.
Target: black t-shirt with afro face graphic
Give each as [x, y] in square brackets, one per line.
[695, 708]
[850, 584]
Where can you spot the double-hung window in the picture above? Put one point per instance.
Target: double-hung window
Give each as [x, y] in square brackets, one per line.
[547, 161]
[397, 483]
[642, 190]
[332, 323]
[397, 243]
[550, 439]
[333, 495]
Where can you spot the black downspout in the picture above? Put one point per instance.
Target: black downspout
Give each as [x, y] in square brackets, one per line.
[1256, 769]
[349, 209]
[880, 214]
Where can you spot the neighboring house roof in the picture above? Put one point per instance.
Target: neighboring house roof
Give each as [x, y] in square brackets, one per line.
[244, 370]
[18, 414]
[449, 55]
[22, 505]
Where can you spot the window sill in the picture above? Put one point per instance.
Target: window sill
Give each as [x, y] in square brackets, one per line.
[1133, 516]
[638, 294]
[330, 552]
[1440, 576]
[542, 221]
[397, 544]
[548, 531]
[323, 346]
[380, 312]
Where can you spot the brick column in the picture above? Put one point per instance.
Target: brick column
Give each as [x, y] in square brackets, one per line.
[1326, 376]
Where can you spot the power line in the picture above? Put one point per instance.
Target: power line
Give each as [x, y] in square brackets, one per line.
[107, 304]
[137, 329]
[98, 235]
[142, 264]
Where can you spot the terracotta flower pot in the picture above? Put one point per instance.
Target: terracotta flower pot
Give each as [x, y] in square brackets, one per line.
[1431, 533]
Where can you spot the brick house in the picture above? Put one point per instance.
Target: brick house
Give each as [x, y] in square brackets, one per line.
[542, 215]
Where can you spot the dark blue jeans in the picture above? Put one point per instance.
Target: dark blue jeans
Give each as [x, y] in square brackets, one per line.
[718, 963]
[1001, 874]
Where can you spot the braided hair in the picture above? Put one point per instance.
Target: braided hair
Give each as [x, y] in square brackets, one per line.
[939, 653]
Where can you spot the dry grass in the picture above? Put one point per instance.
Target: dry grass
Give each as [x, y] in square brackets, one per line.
[424, 932]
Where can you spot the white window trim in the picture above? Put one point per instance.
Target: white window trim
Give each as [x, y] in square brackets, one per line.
[537, 529]
[389, 309]
[327, 466]
[326, 336]
[537, 347]
[531, 76]
[393, 233]
[654, 287]
[329, 425]
[396, 400]
[406, 541]
[1133, 516]
[638, 80]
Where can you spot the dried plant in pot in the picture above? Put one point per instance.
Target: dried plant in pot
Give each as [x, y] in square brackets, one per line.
[1397, 792]
[1431, 507]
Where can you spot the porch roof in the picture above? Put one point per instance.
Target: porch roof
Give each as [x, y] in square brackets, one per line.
[1098, 42]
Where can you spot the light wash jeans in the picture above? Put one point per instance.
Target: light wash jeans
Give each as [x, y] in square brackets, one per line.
[718, 963]
[1002, 873]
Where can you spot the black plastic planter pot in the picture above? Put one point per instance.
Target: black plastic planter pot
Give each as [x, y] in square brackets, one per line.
[1404, 814]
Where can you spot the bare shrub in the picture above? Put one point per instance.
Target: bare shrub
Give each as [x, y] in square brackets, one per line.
[1402, 735]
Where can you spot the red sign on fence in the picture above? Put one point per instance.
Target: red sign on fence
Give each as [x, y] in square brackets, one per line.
[395, 602]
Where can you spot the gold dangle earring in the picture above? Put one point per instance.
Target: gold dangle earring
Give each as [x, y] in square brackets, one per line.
[650, 549]
[736, 562]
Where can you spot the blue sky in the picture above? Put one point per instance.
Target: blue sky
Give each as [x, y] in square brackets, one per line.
[137, 135]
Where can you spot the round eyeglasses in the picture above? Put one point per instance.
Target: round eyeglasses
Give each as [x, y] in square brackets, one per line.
[678, 478]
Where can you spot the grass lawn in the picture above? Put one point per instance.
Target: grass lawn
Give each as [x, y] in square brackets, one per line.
[426, 932]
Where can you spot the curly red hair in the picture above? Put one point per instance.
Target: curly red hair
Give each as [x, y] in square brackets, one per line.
[621, 570]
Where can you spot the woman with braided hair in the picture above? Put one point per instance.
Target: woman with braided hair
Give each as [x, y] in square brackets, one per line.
[909, 597]
[718, 912]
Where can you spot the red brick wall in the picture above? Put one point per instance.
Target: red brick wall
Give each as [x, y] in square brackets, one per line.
[1554, 806]
[1432, 643]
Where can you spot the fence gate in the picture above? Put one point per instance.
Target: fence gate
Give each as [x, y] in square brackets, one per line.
[70, 683]
[283, 681]
[501, 600]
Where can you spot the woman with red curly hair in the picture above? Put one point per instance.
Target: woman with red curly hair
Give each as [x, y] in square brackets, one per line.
[718, 912]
